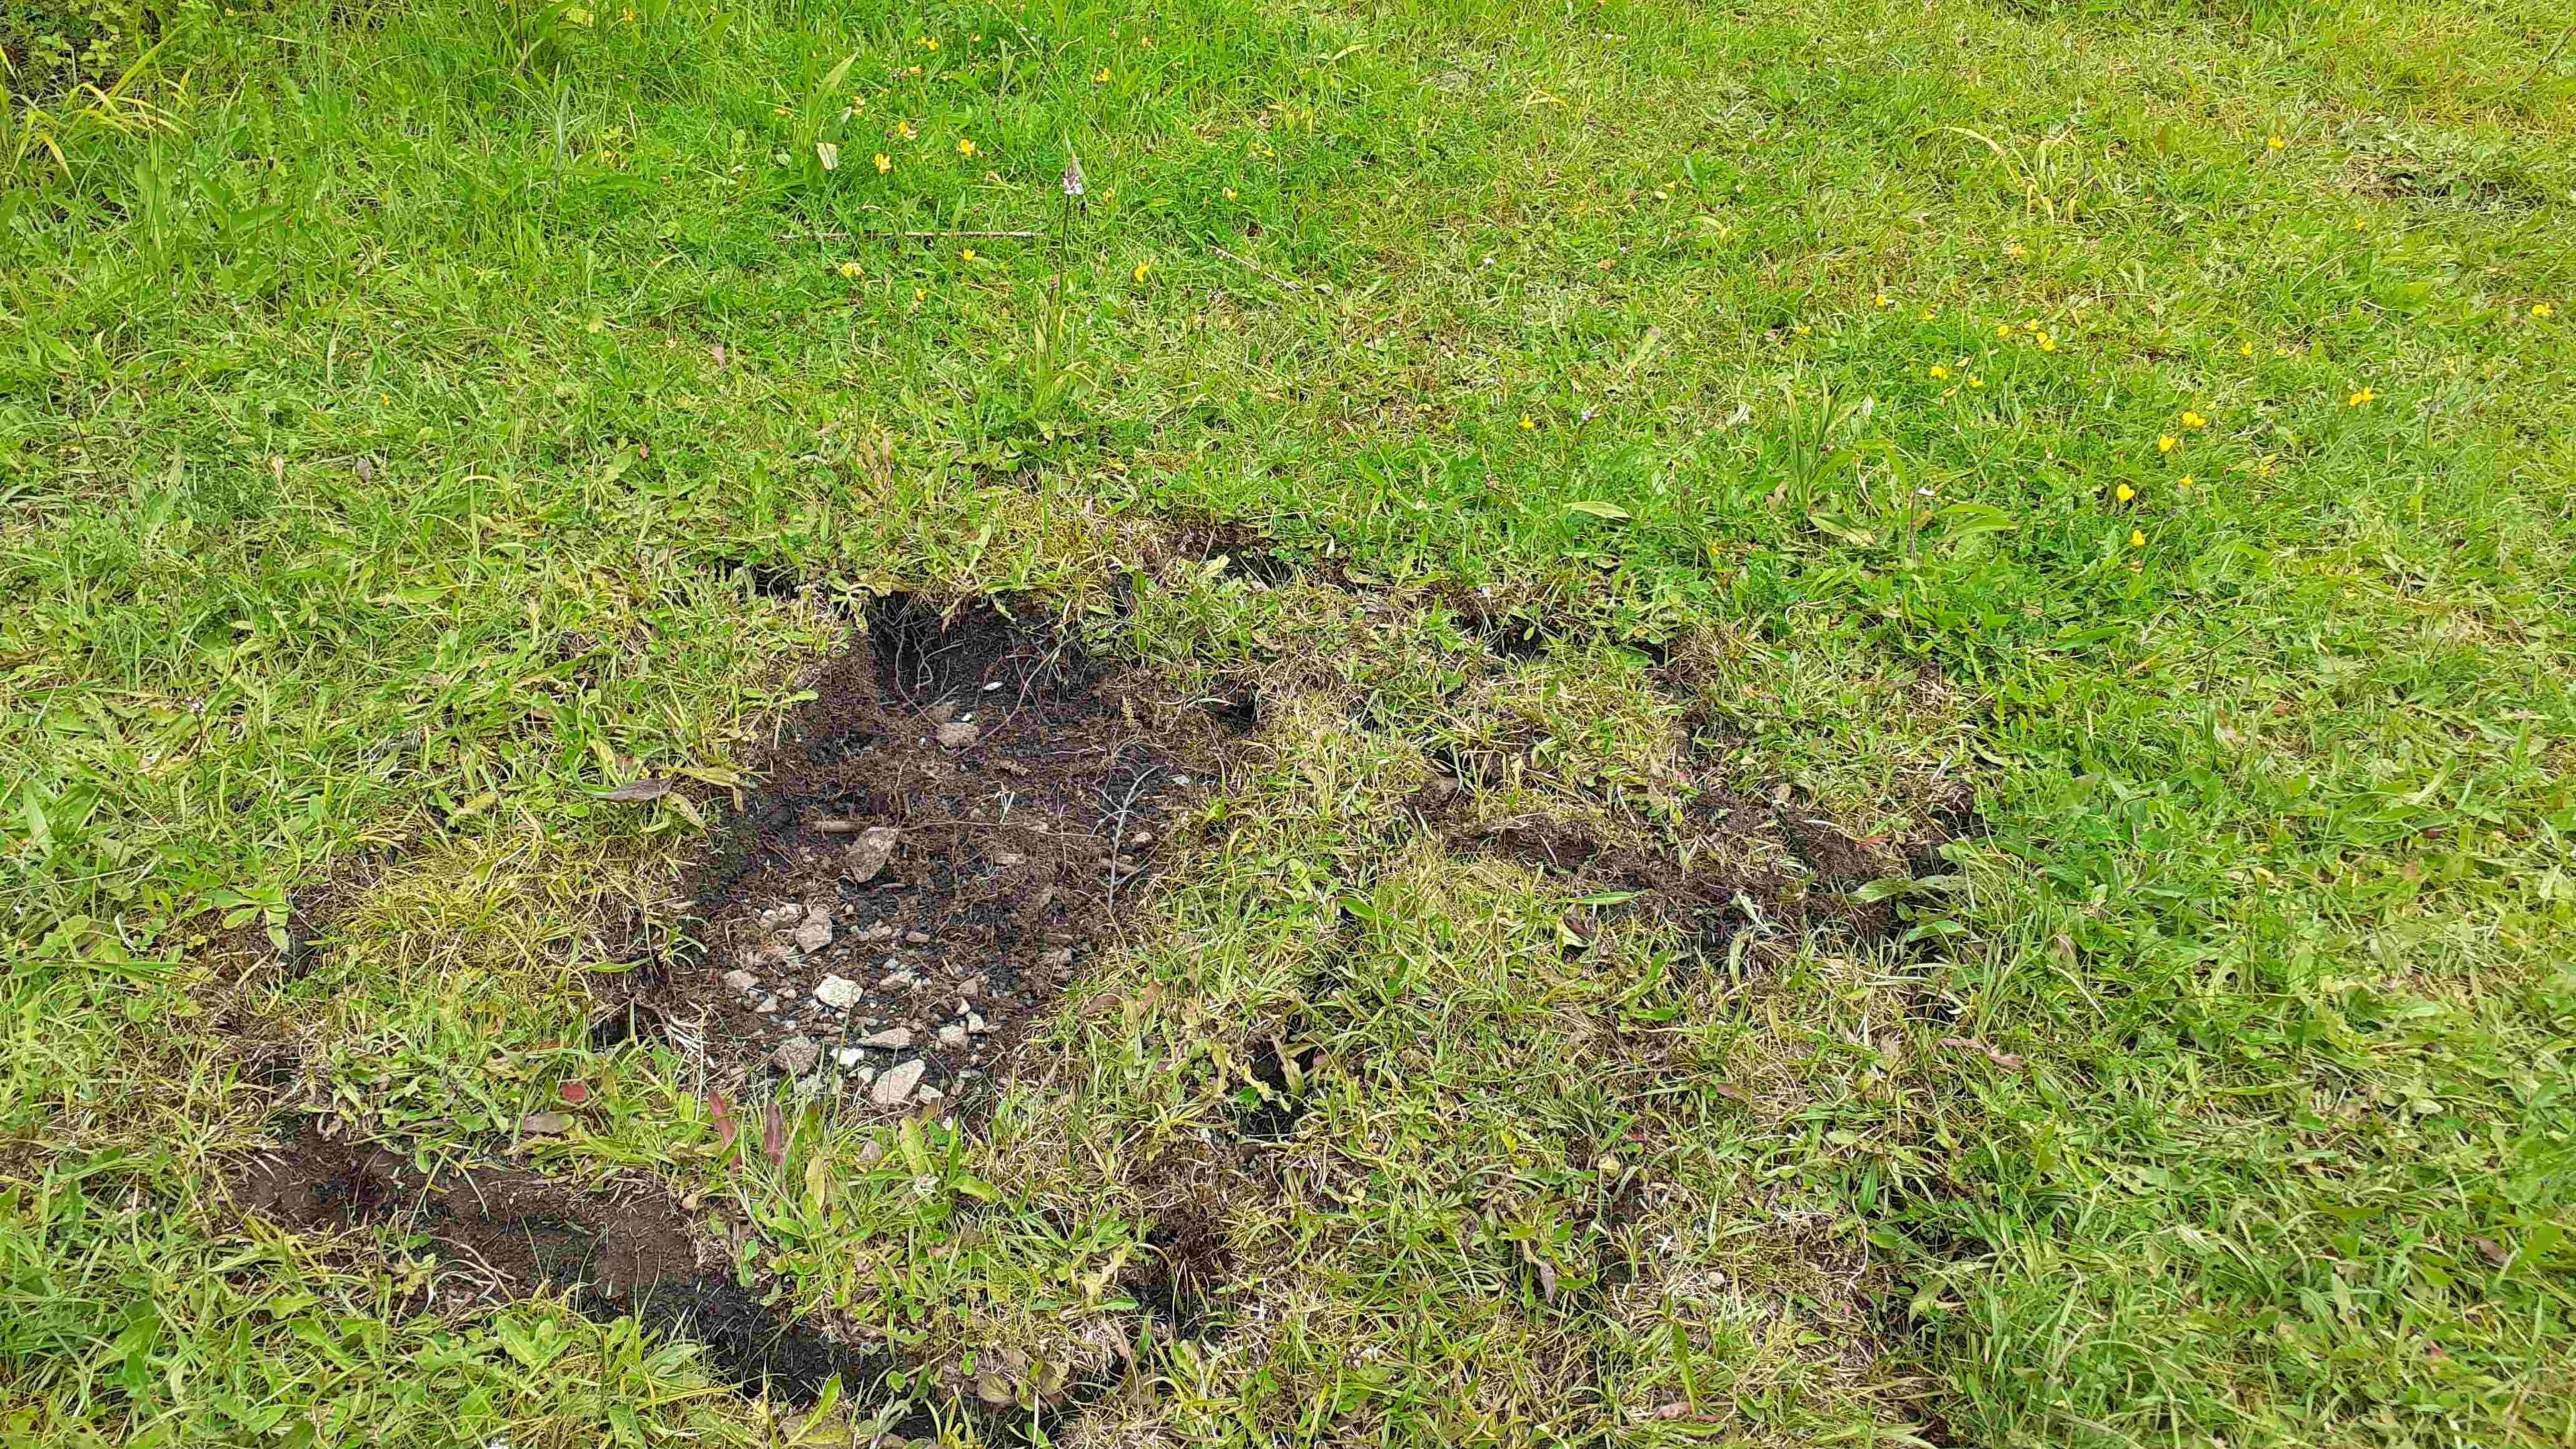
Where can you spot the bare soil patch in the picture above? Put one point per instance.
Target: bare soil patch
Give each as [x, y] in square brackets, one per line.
[963, 810]
[502, 1233]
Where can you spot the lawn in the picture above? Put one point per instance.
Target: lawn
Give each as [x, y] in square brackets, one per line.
[1857, 722]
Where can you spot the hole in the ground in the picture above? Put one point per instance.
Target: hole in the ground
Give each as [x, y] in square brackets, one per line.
[965, 807]
[766, 578]
[1277, 1099]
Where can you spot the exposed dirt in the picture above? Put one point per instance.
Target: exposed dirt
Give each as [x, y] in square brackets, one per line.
[502, 1233]
[946, 830]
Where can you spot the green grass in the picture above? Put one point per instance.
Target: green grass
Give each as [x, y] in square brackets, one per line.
[393, 400]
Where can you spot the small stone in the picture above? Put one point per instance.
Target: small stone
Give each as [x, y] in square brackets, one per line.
[871, 1153]
[1009, 858]
[973, 986]
[917, 938]
[741, 983]
[899, 980]
[545, 1124]
[862, 861]
[781, 917]
[815, 933]
[953, 1038]
[878, 932]
[845, 1057]
[1141, 839]
[768, 1004]
[896, 1086]
[977, 1024]
[836, 992]
[894, 1039]
[958, 736]
[860, 1078]
[797, 1055]
[1059, 958]
[1182, 780]
[933, 1094]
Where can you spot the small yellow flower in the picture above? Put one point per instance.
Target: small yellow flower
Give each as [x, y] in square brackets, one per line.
[2167, 443]
[1939, 373]
[1528, 424]
[627, 15]
[858, 103]
[1142, 268]
[885, 163]
[2276, 143]
[2003, 329]
[2047, 342]
[2362, 397]
[1802, 329]
[849, 269]
[1975, 381]
[929, 44]
[1229, 193]
[2137, 538]
[965, 147]
[2543, 309]
[2183, 483]
[1882, 299]
[1927, 314]
[1100, 76]
[2123, 493]
[2015, 250]
[967, 254]
[2194, 420]
[918, 294]
[2246, 350]
[905, 130]
[2030, 324]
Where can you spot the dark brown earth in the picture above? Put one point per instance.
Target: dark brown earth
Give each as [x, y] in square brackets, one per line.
[501, 1233]
[945, 831]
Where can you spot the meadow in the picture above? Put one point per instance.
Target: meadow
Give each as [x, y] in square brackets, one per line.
[1886, 693]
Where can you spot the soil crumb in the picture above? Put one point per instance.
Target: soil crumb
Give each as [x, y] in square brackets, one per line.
[948, 827]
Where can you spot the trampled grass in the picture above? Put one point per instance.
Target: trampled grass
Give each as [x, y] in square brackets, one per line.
[2113, 454]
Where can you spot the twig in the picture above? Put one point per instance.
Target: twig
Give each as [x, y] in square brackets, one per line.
[1258, 267]
[883, 235]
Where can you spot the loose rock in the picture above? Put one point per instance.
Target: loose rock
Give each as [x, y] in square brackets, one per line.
[545, 1124]
[953, 1038]
[958, 736]
[741, 983]
[894, 1039]
[897, 1085]
[815, 933]
[797, 1055]
[862, 861]
[837, 993]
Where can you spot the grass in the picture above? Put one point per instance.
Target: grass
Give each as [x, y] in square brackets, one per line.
[401, 408]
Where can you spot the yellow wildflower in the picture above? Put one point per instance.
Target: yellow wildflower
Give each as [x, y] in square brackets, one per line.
[2047, 342]
[2362, 397]
[849, 269]
[929, 44]
[1975, 381]
[965, 147]
[2003, 329]
[2123, 493]
[2276, 143]
[1100, 76]
[1229, 193]
[968, 254]
[2247, 350]
[2543, 309]
[2137, 538]
[905, 130]
[1802, 329]
[2167, 443]
[1939, 373]
[2183, 483]
[2193, 420]
[885, 163]
[1882, 299]
[1528, 424]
